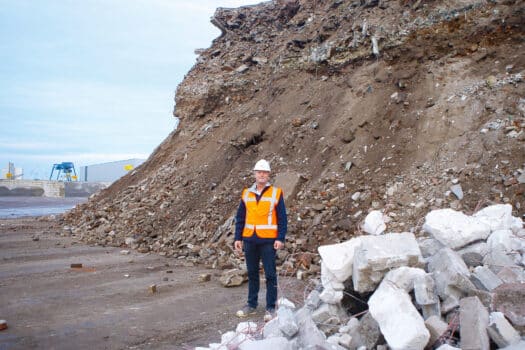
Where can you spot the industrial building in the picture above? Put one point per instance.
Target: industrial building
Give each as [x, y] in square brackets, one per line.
[108, 172]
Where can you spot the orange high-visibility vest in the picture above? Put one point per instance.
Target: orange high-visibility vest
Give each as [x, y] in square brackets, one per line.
[261, 216]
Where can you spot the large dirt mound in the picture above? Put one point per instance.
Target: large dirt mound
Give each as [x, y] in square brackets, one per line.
[356, 104]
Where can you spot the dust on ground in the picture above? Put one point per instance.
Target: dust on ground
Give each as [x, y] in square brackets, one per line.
[49, 305]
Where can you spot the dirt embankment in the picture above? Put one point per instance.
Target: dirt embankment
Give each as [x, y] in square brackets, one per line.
[440, 101]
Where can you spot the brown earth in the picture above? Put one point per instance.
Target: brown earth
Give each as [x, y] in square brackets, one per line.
[48, 305]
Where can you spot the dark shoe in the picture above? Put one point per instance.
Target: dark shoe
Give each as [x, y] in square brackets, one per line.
[245, 311]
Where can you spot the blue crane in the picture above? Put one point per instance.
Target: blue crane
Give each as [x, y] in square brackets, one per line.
[67, 167]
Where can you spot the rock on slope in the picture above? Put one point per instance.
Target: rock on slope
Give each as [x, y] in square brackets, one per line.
[356, 104]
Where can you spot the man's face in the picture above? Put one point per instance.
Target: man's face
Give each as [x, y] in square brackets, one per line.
[262, 177]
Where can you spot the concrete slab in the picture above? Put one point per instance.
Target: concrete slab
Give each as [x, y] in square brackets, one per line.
[473, 322]
[399, 321]
[454, 229]
[379, 254]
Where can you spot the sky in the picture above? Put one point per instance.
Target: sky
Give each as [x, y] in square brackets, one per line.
[93, 81]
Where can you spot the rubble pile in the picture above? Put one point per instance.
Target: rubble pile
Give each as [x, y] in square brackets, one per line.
[459, 286]
[398, 106]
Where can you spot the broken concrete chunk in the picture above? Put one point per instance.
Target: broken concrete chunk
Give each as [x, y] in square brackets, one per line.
[485, 279]
[233, 339]
[447, 347]
[501, 331]
[518, 346]
[450, 274]
[496, 259]
[512, 275]
[504, 239]
[437, 327]
[374, 223]
[399, 321]
[429, 246]
[271, 329]
[426, 296]
[287, 323]
[331, 296]
[366, 333]
[313, 300]
[246, 327]
[277, 343]
[338, 258]
[457, 190]
[497, 217]
[3, 325]
[455, 229]
[404, 277]
[473, 322]
[285, 303]
[289, 182]
[474, 253]
[329, 280]
[510, 300]
[309, 335]
[379, 254]
[233, 277]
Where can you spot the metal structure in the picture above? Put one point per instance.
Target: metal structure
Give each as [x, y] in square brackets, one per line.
[67, 168]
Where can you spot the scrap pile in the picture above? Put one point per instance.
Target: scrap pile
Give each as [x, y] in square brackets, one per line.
[460, 286]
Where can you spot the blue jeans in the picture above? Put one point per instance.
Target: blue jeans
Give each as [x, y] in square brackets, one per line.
[254, 253]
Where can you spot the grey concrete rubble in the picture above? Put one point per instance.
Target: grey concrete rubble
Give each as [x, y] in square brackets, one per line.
[450, 273]
[419, 289]
[437, 327]
[474, 320]
[501, 331]
[485, 279]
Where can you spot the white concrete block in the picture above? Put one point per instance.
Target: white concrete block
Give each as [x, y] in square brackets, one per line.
[233, 339]
[497, 217]
[331, 296]
[328, 279]
[374, 223]
[405, 277]
[504, 239]
[287, 323]
[379, 254]
[271, 329]
[285, 303]
[339, 258]
[277, 343]
[455, 229]
[246, 327]
[400, 323]
[501, 331]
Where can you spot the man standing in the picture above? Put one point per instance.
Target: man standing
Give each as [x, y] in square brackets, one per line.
[260, 228]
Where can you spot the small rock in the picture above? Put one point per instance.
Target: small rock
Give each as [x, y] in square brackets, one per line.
[205, 277]
[241, 69]
[76, 266]
[126, 275]
[124, 252]
[152, 288]
[3, 325]
[457, 190]
[36, 238]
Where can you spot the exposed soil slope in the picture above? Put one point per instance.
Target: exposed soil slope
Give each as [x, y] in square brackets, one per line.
[440, 102]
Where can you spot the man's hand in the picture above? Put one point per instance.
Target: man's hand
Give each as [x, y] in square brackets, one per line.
[278, 245]
[238, 246]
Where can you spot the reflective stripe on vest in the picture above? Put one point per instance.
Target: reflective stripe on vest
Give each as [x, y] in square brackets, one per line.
[265, 225]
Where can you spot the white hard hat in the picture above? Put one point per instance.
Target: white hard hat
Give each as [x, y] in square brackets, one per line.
[262, 165]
